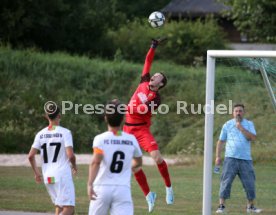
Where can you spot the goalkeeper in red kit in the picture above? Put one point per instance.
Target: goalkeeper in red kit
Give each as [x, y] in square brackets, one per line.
[138, 120]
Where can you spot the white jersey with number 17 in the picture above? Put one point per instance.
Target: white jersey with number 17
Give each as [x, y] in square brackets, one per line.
[52, 144]
[118, 151]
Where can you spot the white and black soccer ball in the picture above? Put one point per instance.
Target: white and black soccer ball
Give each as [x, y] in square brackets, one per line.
[156, 19]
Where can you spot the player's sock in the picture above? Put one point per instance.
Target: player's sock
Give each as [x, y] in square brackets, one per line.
[142, 181]
[163, 169]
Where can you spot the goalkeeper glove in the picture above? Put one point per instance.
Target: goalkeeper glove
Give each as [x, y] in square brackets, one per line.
[156, 42]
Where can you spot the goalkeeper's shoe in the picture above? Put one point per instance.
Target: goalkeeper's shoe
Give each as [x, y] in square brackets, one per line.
[169, 196]
[156, 42]
[151, 197]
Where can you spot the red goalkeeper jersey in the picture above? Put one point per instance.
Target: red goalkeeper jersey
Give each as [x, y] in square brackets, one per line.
[144, 100]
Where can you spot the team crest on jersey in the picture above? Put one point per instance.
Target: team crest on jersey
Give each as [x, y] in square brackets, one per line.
[51, 180]
[143, 97]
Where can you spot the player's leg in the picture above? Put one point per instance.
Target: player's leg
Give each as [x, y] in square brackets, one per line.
[67, 210]
[65, 195]
[141, 178]
[139, 132]
[149, 144]
[51, 189]
[58, 210]
[121, 201]
[162, 166]
[152, 148]
[103, 201]
[164, 172]
[139, 174]
[143, 183]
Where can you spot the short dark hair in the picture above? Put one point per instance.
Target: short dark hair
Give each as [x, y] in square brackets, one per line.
[164, 80]
[53, 115]
[113, 115]
[239, 105]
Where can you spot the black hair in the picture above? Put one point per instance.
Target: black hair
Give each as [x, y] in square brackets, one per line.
[239, 105]
[114, 115]
[164, 80]
[53, 115]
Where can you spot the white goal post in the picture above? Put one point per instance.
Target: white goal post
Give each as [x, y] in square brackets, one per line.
[209, 116]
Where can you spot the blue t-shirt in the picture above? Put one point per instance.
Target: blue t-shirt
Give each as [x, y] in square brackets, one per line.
[237, 146]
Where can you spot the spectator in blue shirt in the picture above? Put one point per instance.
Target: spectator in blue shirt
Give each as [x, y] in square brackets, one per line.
[237, 133]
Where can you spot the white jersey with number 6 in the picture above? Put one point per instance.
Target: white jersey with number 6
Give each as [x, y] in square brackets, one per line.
[118, 151]
[52, 143]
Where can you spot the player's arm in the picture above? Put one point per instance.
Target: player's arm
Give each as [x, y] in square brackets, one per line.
[148, 62]
[136, 163]
[93, 171]
[72, 158]
[219, 147]
[149, 58]
[32, 161]
[68, 142]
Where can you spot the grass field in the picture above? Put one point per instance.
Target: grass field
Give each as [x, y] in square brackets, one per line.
[20, 192]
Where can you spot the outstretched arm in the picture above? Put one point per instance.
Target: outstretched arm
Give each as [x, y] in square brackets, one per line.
[148, 61]
[150, 55]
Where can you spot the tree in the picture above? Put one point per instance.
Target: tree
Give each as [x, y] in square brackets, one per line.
[254, 18]
[67, 25]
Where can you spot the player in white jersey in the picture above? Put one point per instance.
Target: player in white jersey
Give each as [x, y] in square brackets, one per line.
[115, 153]
[58, 162]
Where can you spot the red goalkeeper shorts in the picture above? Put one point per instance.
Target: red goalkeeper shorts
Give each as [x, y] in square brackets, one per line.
[143, 136]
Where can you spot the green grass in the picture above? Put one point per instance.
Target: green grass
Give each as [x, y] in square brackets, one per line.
[20, 192]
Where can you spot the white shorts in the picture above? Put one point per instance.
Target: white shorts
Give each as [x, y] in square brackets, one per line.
[115, 199]
[62, 192]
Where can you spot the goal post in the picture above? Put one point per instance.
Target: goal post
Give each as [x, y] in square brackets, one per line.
[209, 115]
[268, 85]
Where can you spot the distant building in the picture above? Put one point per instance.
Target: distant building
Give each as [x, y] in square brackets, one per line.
[195, 9]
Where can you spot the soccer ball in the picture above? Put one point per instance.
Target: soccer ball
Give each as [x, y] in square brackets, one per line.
[156, 19]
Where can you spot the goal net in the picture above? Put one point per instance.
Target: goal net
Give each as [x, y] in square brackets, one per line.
[247, 77]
